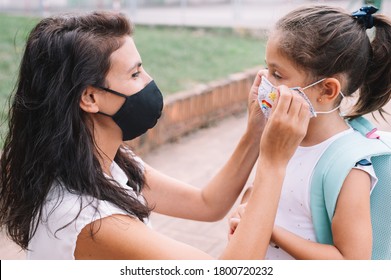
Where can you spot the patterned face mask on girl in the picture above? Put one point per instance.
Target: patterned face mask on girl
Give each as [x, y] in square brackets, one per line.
[267, 94]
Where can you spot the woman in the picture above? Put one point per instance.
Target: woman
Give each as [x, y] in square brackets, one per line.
[72, 189]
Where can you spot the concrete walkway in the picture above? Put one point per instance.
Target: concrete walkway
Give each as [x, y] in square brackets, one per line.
[197, 157]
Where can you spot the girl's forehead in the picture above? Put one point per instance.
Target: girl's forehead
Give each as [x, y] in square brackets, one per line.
[274, 54]
[278, 61]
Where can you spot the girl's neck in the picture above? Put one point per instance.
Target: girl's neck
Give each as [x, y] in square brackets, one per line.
[323, 127]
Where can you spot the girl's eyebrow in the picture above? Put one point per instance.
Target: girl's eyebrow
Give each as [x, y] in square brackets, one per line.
[271, 64]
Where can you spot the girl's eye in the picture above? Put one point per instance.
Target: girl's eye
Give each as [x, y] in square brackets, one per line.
[276, 76]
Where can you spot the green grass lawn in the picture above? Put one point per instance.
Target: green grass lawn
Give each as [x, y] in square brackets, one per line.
[13, 33]
[177, 58]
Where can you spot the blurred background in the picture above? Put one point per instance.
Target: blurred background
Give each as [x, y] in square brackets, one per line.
[235, 13]
[42, 6]
[184, 44]
[206, 33]
[211, 39]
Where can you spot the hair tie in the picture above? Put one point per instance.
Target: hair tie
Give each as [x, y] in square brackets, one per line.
[364, 15]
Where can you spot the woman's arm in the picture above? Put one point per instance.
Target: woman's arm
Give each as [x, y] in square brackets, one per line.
[123, 237]
[351, 226]
[120, 237]
[276, 150]
[213, 201]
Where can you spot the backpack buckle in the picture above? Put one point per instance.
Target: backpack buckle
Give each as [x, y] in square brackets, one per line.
[372, 134]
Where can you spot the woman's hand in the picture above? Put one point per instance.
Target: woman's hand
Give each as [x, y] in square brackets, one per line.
[256, 119]
[234, 219]
[286, 127]
[283, 132]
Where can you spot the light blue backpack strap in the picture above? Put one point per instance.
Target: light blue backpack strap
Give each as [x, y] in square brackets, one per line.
[331, 171]
[364, 126]
[328, 177]
[381, 204]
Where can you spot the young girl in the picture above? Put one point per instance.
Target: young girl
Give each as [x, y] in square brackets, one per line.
[70, 187]
[326, 55]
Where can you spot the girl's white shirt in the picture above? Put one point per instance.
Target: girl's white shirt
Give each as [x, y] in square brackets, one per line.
[58, 229]
[294, 212]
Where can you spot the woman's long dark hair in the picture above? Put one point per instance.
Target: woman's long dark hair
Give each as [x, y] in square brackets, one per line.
[49, 139]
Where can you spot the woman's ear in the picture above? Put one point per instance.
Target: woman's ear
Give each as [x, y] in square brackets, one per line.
[331, 89]
[88, 102]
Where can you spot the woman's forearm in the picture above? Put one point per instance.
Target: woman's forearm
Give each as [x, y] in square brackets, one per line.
[255, 228]
[231, 178]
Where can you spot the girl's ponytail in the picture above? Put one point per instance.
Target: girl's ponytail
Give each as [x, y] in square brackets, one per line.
[375, 90]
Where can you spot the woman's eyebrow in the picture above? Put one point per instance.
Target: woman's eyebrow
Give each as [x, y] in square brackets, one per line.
[136, 65]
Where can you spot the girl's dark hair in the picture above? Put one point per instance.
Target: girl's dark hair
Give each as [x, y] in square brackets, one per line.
[327, 41]
[49, 139]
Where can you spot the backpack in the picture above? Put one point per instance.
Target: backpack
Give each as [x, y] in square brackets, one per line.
[333, 167]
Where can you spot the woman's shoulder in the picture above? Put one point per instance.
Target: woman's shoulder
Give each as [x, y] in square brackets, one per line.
[64, 215]
[65, 205]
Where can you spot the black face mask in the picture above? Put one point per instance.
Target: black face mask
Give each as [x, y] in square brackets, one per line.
[140, 111]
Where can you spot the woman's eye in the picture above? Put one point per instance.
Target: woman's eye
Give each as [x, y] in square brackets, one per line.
[135, 75]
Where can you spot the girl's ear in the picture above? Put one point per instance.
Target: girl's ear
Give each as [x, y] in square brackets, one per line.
[331, 89]
[88, 102]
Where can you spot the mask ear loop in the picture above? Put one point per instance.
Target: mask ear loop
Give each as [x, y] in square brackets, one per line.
[335, 109]
[332, 110]
[113, 92]
[311, 85]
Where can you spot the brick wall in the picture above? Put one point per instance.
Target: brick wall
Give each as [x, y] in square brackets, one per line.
[190, 110]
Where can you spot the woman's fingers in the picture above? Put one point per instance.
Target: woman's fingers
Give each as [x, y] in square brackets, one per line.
[256, 83]
[291, 103]
[235, 218]
[283, 100]
[256, 119]
[286, 126]
[258, 77]
[233, 224]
